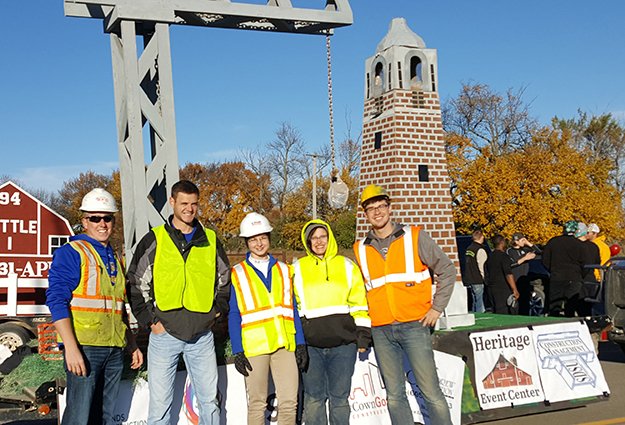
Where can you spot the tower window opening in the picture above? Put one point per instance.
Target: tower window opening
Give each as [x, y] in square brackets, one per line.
[368, 85]
[390, 72]
[401, 85]
[433, 77]
[424, 173]
[379, 74]
[377, 143]
[378, 80]
[416, 69]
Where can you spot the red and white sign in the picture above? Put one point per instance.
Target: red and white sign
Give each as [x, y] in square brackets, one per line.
[29, 234]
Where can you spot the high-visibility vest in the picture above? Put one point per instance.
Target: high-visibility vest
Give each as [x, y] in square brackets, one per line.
[266, 317]
[399, 287]
[343, 293]
[97, 304]
[179, 283]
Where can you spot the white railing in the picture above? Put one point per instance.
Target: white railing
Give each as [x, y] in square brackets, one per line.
[13, 283]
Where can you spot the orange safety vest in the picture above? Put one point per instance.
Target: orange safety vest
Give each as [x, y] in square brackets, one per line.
[399, 287]
[267, 322]
[97, 304]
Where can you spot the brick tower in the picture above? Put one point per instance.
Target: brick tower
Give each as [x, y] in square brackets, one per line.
[403, 146]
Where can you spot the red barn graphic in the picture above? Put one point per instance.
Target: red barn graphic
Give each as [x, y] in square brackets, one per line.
[506, 373]
[30, 232]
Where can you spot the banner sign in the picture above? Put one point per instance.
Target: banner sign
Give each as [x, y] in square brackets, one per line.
[367, 398]
[569, 367]
[450, 371]
[506, 373]
[548, 363]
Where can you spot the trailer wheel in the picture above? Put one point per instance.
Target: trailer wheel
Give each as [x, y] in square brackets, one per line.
[13, 336]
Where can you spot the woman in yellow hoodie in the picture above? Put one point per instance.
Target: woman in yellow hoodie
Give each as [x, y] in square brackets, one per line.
[332, 304]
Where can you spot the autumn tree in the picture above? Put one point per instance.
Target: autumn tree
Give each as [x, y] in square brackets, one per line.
[70, 197]
[491, 121]
[283, 159]
[297, 211]
[602, 136]
[228, 191]
[534, 189]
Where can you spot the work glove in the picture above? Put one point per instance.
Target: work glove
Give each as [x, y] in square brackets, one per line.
[301, 357]
[242, 364]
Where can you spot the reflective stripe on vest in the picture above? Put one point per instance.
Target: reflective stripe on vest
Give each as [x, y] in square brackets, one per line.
[408, 276]
[266, 317]
[97, 304]
[180, 282]
[338, 307]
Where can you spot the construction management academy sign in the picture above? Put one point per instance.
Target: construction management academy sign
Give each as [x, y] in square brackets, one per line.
[547, 363]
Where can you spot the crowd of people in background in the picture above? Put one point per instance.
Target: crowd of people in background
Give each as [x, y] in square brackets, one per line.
[499, 276]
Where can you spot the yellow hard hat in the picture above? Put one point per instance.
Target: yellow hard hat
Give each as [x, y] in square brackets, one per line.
[372, 191]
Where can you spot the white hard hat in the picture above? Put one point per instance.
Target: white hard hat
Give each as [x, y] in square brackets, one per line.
[254, 224]
[98, 200]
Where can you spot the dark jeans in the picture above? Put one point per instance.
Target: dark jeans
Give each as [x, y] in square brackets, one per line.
[329, 377]
[91, 399]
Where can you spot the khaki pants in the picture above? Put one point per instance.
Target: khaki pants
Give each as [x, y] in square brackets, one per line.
[283, 369]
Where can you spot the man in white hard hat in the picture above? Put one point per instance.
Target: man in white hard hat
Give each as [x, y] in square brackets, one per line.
[87, 296]
[395, 261]
[179, 285]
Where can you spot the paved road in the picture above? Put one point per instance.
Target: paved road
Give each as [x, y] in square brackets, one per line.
[610, 412]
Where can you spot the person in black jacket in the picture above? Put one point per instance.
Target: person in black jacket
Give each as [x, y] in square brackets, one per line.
[179, 282]
[500, 282]
[563, 256]
[522, 252]
[475, 259]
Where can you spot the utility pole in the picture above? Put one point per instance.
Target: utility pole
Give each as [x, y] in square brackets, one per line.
[143, 82]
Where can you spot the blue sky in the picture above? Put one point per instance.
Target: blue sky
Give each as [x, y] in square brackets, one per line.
[233, 87]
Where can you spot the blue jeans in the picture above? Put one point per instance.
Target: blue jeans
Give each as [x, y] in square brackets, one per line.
[329, 377]
[391, 342]
[201, 362]
[477, 290]
[91, 399]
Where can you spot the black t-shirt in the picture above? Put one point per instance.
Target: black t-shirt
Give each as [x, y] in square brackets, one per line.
[498, 266]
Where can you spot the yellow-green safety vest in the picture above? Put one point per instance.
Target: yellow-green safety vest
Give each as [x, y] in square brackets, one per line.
[338, 290]
[266, 317]
[97, 304]
[179, 283]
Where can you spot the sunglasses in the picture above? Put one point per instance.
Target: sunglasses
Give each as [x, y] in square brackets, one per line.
[99, 218]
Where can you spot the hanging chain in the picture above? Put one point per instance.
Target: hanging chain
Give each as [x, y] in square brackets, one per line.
[330, 106]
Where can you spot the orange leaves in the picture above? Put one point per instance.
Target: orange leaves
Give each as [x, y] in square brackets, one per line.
[533, 189]
[228, 191]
